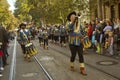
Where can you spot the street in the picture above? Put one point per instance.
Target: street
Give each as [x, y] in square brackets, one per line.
[56, 62]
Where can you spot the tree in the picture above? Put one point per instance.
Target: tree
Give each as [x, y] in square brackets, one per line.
[22, 10]
[49, 11]
[6, 16]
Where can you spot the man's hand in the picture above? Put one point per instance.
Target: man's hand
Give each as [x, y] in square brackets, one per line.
[0, 43]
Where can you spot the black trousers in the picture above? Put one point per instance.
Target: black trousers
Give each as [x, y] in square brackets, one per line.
[40, 39]
[23, 48]
[74, 50]
[45, 42]
[52, 37]
[62, 39]
[4, 58]
[56, 38]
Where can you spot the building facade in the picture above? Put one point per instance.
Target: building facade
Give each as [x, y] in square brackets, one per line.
[105, 9]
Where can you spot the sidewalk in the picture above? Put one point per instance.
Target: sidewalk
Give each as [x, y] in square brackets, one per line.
[7, 67]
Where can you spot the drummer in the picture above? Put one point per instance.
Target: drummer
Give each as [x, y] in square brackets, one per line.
[23, 38]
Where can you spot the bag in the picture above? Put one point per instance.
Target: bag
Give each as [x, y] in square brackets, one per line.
[30, 49]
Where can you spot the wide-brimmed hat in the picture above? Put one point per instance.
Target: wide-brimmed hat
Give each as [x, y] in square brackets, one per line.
[22, 24]
[68, 17]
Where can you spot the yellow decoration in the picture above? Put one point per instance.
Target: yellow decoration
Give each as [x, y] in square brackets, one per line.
[82, 65]
[72, 64]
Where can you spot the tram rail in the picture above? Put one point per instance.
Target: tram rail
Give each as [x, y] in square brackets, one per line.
[48, 76]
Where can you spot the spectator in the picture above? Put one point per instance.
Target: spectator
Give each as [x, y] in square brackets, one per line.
[3, 48]
[110, 42]
[108, 27]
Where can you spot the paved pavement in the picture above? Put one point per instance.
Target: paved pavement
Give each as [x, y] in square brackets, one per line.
[7, 67]
[91, 62]
[56, 62]
[27, 70]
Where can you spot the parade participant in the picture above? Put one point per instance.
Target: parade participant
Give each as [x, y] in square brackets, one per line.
[62, 35]
[75, 42]
[56, 34]
[32, 31]
[40, 34]
[48, 31]
[24, 38]
[52, 33]
[45, 39]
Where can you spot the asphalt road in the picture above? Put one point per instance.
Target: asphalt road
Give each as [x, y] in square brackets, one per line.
[56, 62]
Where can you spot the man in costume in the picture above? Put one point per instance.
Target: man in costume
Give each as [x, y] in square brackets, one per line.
[24, 38]
[45, 39]
[63, 36]
[75, 41]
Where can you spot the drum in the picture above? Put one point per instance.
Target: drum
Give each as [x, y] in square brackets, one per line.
[30, 49]
[86, 42]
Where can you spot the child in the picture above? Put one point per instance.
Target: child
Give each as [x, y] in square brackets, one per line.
[110, 42]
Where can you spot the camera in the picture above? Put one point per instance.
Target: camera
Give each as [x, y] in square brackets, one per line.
[77, 16]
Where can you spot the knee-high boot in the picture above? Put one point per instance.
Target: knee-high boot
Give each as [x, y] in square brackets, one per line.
[82, 69]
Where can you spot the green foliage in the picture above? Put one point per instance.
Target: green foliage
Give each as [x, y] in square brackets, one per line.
[22, 10]
[48, 11]
[6, 16]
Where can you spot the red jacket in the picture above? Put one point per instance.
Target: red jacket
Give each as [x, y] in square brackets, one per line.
[1, 53]
[90, 30]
